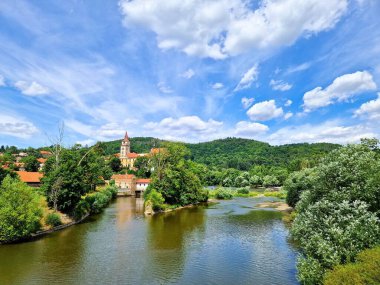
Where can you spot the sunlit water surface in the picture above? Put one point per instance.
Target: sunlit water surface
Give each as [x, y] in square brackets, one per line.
[231, 242]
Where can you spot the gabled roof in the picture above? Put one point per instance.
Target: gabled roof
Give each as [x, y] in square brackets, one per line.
[30, 177]
[41, 160]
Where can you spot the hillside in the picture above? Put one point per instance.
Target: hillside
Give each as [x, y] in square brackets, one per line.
[237, 152]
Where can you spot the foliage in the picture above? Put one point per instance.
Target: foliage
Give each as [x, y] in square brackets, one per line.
[174, 177]
[155, 199]
[222, 194]
[277, 194]
[79, 171]
[243, 191]
[270, 180]
[53, 219]
[115, 164]
[332, 233]
[31, 163]
[297, 183]
[364, 271]
[5, 172]
[143, 167]
[20, 212]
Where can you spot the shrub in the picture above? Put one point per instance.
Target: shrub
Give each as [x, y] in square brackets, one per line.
[365, 271]
[82, 209]
[53, 219]
[243, 191]
[223, 194]
[332, 233]
[156, 200]
[20, 212]
[297, 183]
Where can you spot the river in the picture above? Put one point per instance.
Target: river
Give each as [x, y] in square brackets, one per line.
[230, 242]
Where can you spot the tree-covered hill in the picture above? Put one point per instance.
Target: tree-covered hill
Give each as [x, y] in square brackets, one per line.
[238, 153]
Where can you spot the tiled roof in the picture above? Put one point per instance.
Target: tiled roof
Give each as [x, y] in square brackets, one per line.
[45, 152]
[29, 177]
[132, 155]
[41, 160]
[157, 150]
[117, 154]
[122, 176]
[142, 180]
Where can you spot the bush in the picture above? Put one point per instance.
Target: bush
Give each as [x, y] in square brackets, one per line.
[53, 219]
[332, 233]
[20, 212]
[365, 271]
[223, 194]
[297, 183]
[155, 199]
[243, 191]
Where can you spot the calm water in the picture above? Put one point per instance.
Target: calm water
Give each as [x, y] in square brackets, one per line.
[226, 243]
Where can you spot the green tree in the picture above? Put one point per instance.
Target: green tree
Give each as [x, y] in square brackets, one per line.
[20, 212]
[173, 178]
[297, 183]
[115, 164]
[31, 163]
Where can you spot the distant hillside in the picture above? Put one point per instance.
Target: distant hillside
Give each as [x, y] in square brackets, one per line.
[236, 152]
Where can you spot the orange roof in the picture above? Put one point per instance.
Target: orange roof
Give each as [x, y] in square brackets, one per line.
[117, 154]
[142, 180]
[20, 164]
[45, 152]
[157, 150]
[31, 177]
[41, 160]
[132, 155]
[122, 176]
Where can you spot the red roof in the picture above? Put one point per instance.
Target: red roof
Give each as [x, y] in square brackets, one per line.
[122, 176]
[142, 180]
[157, 150]
[132, 155]
[30, 177]
[117, 154]
[45, 152]
[41, 160]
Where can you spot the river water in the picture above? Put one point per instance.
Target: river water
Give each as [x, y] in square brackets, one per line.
[230, 242]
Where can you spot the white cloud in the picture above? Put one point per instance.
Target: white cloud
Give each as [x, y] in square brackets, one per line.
[280, 85]
[217, 85]
[342, 89]
[16, 126]
[248, 78]
[2, 80]
[244, 128]
[88, 142]
[164, 88]
[288, 115]
[288, 103]
[188, 74]
[219, 29]
[247, 102]
[185, 128]
[265, 111]
[370, 110]
[297, 68]
[332, 132]
[31, 89]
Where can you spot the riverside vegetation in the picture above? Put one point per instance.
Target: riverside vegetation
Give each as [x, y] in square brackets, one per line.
[337, 214]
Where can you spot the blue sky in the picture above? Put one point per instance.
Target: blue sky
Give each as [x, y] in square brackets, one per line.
[278, 71]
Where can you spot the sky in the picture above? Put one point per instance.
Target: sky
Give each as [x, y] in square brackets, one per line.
[279, 71]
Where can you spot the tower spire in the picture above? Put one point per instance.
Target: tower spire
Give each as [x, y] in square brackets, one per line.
[126, 138]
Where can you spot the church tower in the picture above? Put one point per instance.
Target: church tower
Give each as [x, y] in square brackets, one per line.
[125, 146]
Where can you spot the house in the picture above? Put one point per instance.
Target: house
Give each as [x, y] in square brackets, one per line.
[126, 183]
[141, 185]
[42, 162]
[33, 179]
[45, 153]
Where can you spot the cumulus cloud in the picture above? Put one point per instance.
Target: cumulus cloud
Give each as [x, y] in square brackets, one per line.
[265, 111]
[31, 89]
[248, 78]
[280, 85]
[342, 89]
[164, 88]
[247, 102]
[331, 132]
[244, 128]
[16, 126]
[184, 128]
[2, 80]
[288, 103]
[218, 29]
[217, 85]
[370, 110]
[188, 74]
